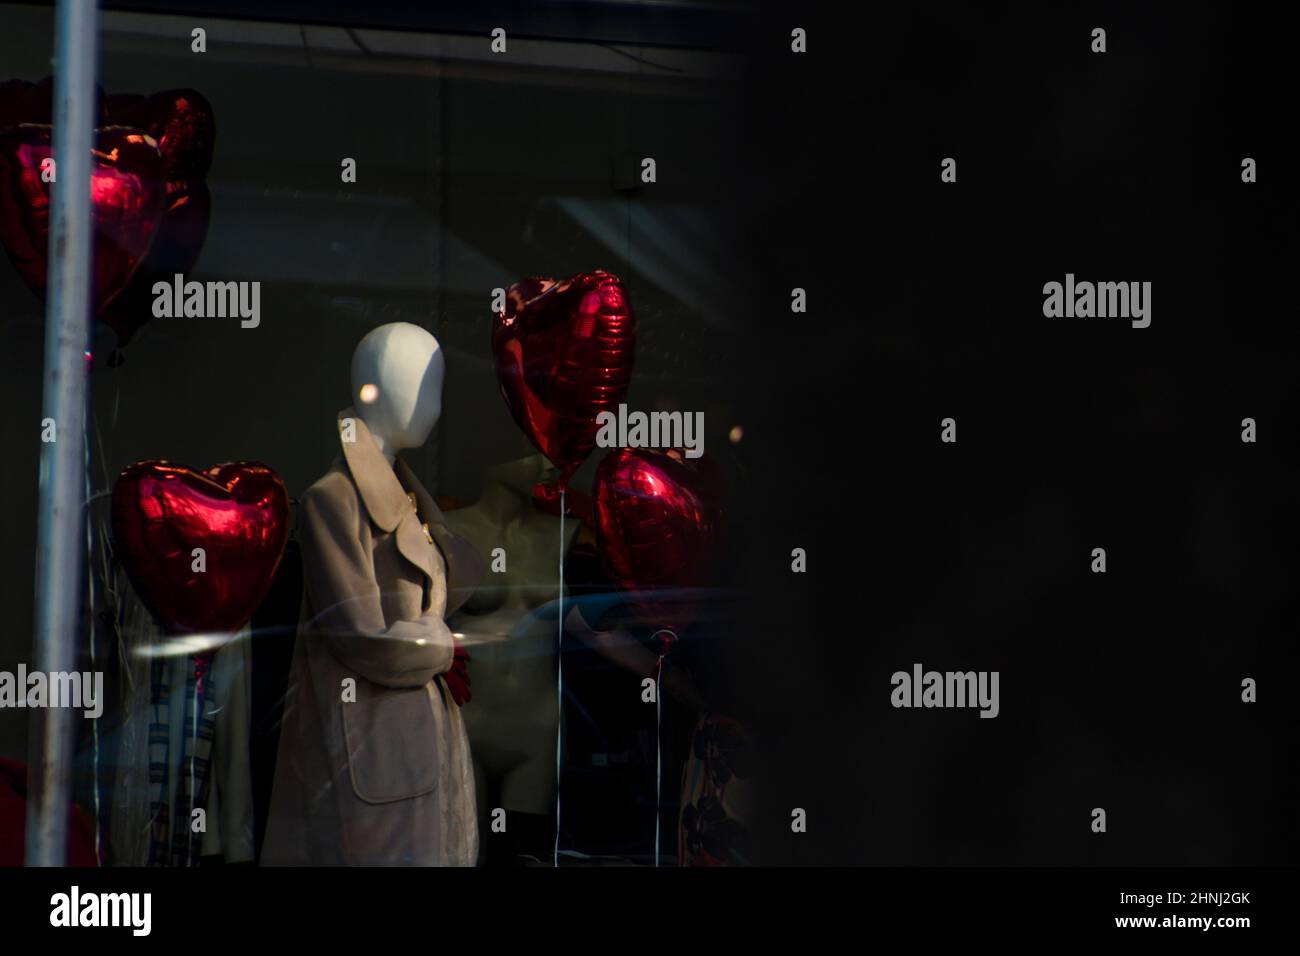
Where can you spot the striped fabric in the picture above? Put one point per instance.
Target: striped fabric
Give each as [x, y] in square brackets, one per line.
[173, 839]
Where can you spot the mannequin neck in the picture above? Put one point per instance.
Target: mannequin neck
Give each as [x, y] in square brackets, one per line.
[386, 443]
[503, 504]
[508, 491]
[385, 448]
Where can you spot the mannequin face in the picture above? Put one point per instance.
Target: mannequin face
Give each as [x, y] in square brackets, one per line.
[397, 373]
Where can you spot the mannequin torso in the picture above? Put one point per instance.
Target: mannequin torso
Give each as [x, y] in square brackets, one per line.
[513, 719]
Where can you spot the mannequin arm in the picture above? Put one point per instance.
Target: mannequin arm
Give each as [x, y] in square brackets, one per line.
[617, 646]
[341, 585]
[621, 648]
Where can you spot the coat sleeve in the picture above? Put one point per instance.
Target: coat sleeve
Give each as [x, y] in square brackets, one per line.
[341, 586]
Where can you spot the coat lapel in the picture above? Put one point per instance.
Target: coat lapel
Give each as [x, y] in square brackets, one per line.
[383, 490]
[378, 486]
[464, 564]
[414, 546]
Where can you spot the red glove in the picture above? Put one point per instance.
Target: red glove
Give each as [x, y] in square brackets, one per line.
[458, 677]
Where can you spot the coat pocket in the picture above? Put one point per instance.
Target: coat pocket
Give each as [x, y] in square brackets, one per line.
[391, 742]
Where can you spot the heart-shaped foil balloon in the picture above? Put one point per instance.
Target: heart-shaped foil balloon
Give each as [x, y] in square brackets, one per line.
[176, 247]
[657, 523]
[128, 190]
[236, 513]
[181, 122]
[564, 354]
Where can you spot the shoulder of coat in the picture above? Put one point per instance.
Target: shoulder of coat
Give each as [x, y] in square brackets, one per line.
[333, 491]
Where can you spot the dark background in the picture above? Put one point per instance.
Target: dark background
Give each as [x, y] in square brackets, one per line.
[1120, 690]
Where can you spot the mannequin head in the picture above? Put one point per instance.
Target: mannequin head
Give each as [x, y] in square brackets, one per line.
[397, 373]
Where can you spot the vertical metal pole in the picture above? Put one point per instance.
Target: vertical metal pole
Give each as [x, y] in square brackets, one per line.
[61, 537]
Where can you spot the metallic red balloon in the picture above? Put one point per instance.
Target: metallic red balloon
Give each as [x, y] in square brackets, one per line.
[237, 513]
[564, 354]
[657, 523]
[176, 247]
[181, 122]
[128, 190]
[125, 109]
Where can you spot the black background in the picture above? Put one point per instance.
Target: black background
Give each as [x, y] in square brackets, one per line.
[1120, 690]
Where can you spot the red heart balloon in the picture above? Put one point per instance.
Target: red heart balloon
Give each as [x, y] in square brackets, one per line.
[657, 522]
[180, 120]
[563, 355]
[175, 248]
[182, 123]
[127, 191]
[237, 513]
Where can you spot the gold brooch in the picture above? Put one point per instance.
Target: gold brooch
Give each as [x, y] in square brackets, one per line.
[416, 508]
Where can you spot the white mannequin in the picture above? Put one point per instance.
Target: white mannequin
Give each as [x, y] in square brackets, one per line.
[409, 361]
[385, 785]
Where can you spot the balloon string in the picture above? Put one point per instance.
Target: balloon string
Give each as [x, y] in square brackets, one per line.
[106, 584]
[659, 720]
[94, 656]
[659, 751]
[194, 744]
[559, 689]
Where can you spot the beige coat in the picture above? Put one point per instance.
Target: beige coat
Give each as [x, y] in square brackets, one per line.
[385, 778]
